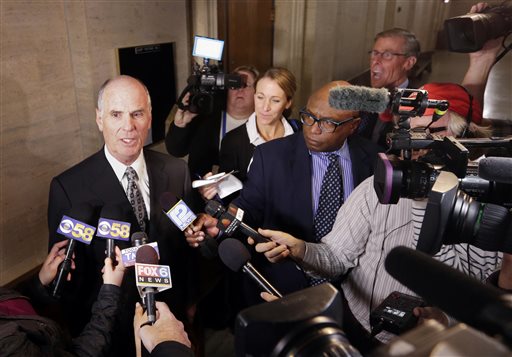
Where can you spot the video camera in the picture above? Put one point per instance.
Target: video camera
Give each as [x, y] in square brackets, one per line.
[302, 324]
[208, 80]
[462, 206]
[468, 33]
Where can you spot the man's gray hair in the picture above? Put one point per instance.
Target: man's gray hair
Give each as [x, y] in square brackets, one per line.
[412, 45]
[99, 104]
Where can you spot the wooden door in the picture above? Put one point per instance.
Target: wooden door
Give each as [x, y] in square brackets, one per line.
[247, 26]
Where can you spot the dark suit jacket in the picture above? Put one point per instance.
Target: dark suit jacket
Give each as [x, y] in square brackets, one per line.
[93, 180]
[277, 195]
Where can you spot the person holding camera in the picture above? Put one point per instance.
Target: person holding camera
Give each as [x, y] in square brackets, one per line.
[366, 230]
[199, 136]
[23, 332]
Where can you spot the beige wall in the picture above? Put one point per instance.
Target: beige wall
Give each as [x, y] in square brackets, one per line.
[54, 56]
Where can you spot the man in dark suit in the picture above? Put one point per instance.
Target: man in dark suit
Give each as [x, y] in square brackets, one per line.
[124, 117]
[283, 185]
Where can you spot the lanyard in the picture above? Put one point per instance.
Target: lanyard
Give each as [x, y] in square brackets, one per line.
[223, 125]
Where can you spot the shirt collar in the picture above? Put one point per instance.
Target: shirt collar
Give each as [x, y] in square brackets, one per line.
[254, 136]
[139, 165]
[343, 152]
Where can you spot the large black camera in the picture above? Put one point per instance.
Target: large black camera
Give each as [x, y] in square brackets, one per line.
[207, 81]
[302, 324]
[469, 32]
[462, 206]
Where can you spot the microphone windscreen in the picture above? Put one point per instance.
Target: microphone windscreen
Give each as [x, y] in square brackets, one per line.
[233, 254]
[139, 238]
[146, 254]
[359, 98]
[454, 292]
[167, 200]
[497, 169]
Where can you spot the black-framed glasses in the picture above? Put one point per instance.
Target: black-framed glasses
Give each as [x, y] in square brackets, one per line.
[327, 125]
[386, 55]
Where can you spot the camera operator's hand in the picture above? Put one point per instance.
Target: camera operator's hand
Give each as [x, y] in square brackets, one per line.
[481, 62]
[51, 264]
[282, 246]
[208, 192]
[196, 231]
[424, 313]
[183, 117]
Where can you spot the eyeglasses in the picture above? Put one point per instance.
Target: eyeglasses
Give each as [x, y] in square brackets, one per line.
[386, 55]
[326, 125]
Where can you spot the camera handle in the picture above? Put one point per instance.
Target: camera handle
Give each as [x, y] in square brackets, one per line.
[179, 102]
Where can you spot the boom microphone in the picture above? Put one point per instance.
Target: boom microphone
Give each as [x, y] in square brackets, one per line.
[147, 255]
[497, 169]
[230, 220]
[73, 227]
[182, 217]
[235, 256]
[359, 98]
[467, 299]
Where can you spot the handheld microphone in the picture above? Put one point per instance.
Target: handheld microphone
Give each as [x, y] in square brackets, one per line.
[230, 220]
[497, 169]
[111, 227]
[151, 278]
[182, 217]
[467, 299]
[75, 229]
[147, 255]
[139, 238]
[235, 256]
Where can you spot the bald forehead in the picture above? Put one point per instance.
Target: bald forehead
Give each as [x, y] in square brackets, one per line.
[318, 103]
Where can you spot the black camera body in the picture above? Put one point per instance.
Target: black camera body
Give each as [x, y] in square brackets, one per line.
[207, 81]
[468, 33]
[304, 323]
[462, 206]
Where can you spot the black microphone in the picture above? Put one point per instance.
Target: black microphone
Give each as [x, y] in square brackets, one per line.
[108, 229]
[139, 238]
[467, 299]
[148, 255]
[497, 169]
[359, 98]
[81, 213]
[230, 220]
[209, 246]
[236, 256]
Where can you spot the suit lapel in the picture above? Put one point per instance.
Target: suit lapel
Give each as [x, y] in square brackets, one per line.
[301, 182]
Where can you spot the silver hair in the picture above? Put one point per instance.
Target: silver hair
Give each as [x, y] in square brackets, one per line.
[412, 45]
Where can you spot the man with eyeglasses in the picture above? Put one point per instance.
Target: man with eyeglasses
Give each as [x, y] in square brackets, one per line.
[285, 184]
[394, 54]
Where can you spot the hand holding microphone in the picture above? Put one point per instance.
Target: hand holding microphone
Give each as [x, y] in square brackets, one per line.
[52, 262]
[183, 217]
[75, 228]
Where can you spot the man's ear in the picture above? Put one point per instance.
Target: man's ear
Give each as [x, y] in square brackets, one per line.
[99, 120]
[410, 62]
